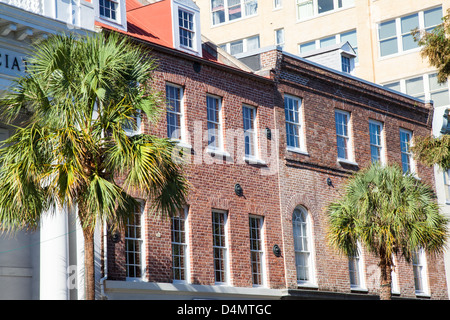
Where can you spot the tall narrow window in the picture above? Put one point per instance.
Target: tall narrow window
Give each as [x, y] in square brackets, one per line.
[174, 111]
[213, 106]
[179, 246]
[108, 9]
[419, 268]
[293, 122]
[133, 246]
[342, 134]
[186, 25]
[302, 245]
[219, 219]
[256, 250]
[405, 143]
[376, 148]
[249, 119]
[355, 270]
[279, 37]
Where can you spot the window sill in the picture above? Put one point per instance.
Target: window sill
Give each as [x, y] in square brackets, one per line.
[253, 160]
[307, 285]
[346, 161]
[181, 144]
[217, 152]
[359, 289]
[297, 150]
[423, 295]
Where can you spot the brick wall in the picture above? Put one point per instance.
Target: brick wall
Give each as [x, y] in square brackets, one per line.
[288, 179]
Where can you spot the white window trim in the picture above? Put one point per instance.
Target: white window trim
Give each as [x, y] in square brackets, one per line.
[227, 46]
[350, 153]
[423, 274]
[382, 141]
[187, 265]
[183, 142]
[226, 248]
[302, 144]
[412, 163]
[255, 157]
[261, 252]
[143, 241]
[311, 283]
[281, 44]
[447, 186]
[361, 271]
[120, 21]
[220, 149]
[227, 21]
[426, 85]
[316, 13]
[196, 48]
[398, 34]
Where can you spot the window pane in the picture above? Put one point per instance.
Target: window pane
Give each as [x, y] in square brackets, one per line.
[251, 7]
[350, 37]
[394, 86]
[409, 23]
[325, 5]
[388, 47]
[305, 47]
[433, 17]
[387, 30]
[236, 47]
[305, 9]
[252, 43]
[234, 9]
[414, 87]
[327, 41]
[345, 3]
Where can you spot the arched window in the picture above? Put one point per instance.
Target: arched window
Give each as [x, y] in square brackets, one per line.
[302, 246]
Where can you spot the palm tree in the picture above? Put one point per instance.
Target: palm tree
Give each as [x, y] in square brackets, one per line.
[389, 213]
[71, 112]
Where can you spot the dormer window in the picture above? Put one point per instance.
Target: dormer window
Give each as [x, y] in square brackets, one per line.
[186, 25]
[108, 9]
[346, 64]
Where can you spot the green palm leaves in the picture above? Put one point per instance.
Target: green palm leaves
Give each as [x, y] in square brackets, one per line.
[388, 213]
[73, 113]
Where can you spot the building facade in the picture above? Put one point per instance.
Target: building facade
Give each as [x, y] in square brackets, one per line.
[266, 239]
[379, 32]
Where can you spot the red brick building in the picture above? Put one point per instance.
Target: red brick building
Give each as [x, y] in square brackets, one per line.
[265, 151]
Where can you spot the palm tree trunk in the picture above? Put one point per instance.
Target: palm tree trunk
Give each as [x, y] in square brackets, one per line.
[385, 281]
[89, 269]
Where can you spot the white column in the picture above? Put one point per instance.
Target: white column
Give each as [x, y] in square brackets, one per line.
[54, 256]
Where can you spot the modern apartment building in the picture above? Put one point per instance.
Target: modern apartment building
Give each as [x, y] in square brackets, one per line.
[378, 30]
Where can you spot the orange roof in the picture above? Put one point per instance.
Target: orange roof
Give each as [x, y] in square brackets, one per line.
[151, 23]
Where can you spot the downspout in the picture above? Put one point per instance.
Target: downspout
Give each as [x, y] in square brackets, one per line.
[105, 263]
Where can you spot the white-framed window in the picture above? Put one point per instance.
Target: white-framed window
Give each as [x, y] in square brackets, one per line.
[310, 8]
[293, 114]
[174, 110]
[279, 37]
[301, 226]
[356, 270]
[394, 277]
[342, 120]
[220, 246]
[345, 64]
[277, 4]
[214, 122]
[134, 249]
[376, 141]
[249, 122]
[348, 36]
[241, 45]
[394, 36]
[423, 87]
[180, 263]
[406, 154]
[230, 10]
[109, 9]
[257, 250]
[420, 272]
[186, 31]
[447, 185]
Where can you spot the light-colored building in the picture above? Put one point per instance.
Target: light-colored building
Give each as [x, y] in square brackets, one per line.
[378, 30]
[42, 264]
